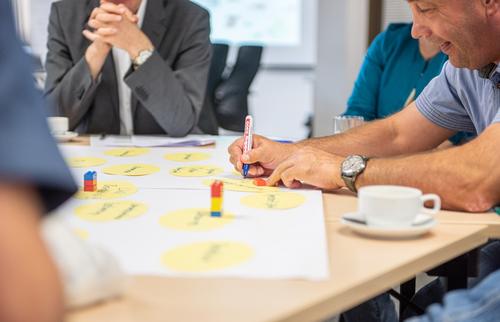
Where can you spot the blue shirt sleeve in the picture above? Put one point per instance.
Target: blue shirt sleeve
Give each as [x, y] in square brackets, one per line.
[29, 154]
[364, 96]
[440, 103]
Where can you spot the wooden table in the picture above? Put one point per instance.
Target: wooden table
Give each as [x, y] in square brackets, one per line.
[359, 267]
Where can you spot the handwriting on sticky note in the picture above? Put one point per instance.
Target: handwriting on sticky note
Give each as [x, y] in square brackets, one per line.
[273, 200]
[196, 171]
[111, 210]
[187, 156]
[207, 256]
[131, 169]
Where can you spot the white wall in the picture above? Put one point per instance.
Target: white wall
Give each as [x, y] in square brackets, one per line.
[39, 21]
[280, 102]
[395, 11]
[342, 39]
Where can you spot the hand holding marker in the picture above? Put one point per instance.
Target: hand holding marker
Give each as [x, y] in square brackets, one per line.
[247, 141]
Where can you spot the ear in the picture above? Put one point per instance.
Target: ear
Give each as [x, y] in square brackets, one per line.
[491, 7]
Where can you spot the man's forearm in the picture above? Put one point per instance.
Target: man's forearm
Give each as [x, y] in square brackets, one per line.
[364, 140]
[405, 132]
[457, 175]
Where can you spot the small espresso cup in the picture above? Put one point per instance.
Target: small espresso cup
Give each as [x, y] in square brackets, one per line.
[58, 125]
[394, 206]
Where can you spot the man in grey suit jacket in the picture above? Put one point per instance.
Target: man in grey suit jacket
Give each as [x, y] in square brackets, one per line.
[109, 76]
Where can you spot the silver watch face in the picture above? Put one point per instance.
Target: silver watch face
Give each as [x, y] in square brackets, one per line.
[352, 165]
[142, 57]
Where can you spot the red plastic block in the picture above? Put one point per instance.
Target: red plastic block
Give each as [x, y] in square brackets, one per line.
[216, 189]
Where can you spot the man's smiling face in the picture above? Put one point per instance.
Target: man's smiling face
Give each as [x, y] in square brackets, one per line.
[460, 27]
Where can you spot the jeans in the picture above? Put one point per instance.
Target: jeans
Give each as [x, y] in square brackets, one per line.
[479, 304]
[381, 308]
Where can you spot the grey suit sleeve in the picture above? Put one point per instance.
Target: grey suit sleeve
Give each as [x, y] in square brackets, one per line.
[69, 86]
[174, 96]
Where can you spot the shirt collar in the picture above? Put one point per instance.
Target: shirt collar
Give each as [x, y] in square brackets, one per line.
[142, 12]
[488, 71]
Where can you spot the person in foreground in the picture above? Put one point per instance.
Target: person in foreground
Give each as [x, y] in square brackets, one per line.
[128, 66]
[400, 149]
[33, 180]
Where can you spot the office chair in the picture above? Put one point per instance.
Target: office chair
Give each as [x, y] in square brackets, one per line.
[208, 122]
[231, 96]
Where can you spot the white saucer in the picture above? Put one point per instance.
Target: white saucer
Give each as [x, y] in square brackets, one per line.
[356, 222]
[65, 137]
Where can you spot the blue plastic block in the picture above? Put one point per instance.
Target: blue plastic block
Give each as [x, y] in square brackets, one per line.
[90, 175]
[215, 214]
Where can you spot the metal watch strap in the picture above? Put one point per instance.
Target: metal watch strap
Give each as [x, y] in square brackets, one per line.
[350, 181]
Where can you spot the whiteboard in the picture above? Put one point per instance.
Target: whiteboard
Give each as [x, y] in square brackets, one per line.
[286, 28]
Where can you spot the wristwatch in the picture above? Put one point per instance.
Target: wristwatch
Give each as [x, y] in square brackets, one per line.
[350, 168]
[141, 58]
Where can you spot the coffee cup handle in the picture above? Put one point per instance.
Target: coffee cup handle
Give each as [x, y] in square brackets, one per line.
[437, 204]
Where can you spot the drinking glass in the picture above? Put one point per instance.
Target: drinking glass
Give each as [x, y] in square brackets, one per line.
[342, 123]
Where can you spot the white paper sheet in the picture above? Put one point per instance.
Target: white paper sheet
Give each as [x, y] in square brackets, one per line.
[150, 141]
[286, 243]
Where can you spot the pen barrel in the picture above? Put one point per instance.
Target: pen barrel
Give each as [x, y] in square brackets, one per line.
[247, 135]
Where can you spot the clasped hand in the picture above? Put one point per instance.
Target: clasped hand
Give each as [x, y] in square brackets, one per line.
[289, 163]
[116, 26]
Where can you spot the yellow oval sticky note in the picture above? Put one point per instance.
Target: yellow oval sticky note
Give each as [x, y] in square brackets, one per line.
[126, 152]
[196, 171]
[85, 162]
[195, 219]
[131, 169]
[273, 200]
[111, 210]
[244, 185]
[109, 190]
[187, 157]
[207, 256]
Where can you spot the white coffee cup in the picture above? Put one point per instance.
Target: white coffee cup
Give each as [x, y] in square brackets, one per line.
[394, 206]
[58, 125]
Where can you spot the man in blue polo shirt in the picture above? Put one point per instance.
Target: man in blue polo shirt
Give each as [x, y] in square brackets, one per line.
[400, 149]
[464, 97]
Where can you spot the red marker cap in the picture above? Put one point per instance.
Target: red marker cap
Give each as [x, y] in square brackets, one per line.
[260, 182]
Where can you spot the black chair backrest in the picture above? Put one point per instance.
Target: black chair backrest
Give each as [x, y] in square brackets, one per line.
[208, 122]
[231, 97]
